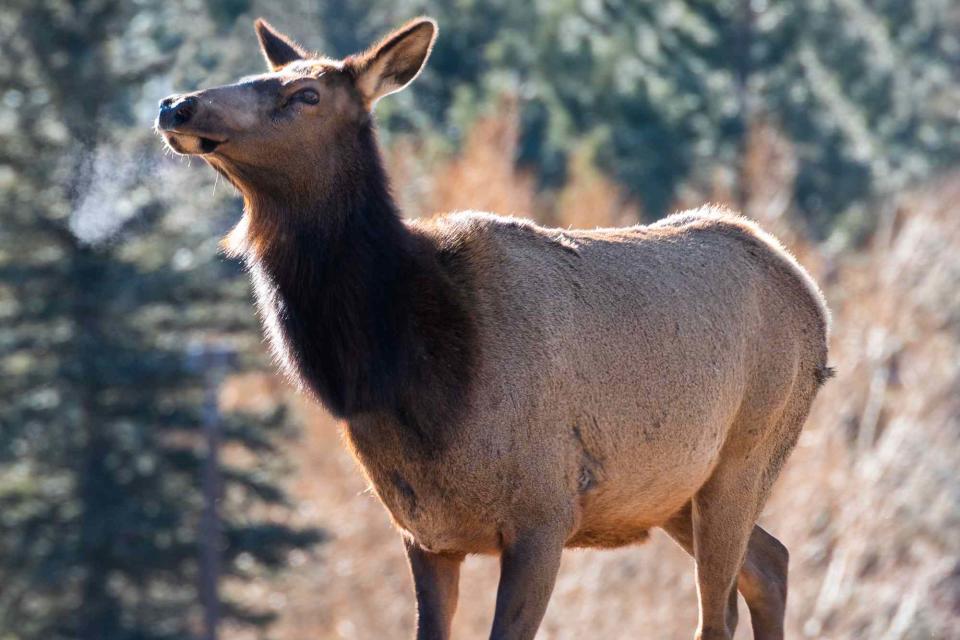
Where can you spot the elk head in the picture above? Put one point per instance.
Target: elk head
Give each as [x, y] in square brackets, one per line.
[297, 124]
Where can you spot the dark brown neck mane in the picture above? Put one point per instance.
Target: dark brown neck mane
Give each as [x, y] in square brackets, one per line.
[360, 310]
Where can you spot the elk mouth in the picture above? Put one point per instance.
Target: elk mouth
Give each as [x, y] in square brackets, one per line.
[209, 145]
[191, 144]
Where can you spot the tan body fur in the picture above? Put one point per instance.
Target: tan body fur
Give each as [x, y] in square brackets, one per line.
[618, 365]
[510, 389]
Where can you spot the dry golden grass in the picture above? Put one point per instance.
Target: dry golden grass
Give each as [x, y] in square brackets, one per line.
[590, 199]
[869, 503]
[482, 177]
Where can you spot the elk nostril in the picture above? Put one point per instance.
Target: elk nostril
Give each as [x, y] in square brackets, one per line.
[176, 111]
[184, 111]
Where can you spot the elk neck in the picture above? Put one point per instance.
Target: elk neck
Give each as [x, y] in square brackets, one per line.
[360, 309]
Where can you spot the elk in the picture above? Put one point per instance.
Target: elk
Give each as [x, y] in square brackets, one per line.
[510, 389]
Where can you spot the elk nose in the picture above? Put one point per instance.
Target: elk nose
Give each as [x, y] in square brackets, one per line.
[176, 111]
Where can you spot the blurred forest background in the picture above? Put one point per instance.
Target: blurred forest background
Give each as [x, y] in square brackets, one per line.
[129, 348]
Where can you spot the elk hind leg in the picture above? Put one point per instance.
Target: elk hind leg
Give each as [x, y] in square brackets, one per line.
[762, 579]
[680, 528]
[723, 514]
[763, 583]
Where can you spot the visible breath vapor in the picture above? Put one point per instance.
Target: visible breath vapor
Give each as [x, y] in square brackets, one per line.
[103, 204]
[113, 187]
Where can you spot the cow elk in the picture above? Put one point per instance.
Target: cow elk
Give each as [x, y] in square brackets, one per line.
[511, 389]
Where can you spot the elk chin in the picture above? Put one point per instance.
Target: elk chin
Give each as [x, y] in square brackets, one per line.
[189, 144]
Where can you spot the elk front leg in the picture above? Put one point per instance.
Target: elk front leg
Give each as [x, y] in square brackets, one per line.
[436, 578]
[528, 569]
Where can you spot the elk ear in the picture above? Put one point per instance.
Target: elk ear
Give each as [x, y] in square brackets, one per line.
[277, 48]
[395, 61]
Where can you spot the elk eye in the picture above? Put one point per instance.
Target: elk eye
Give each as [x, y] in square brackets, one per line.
[307, 95]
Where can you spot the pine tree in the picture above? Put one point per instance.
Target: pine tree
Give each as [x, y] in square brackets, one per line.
[866, 90]
[104, 282]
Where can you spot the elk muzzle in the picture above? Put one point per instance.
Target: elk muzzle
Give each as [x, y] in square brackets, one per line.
[177, 123]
